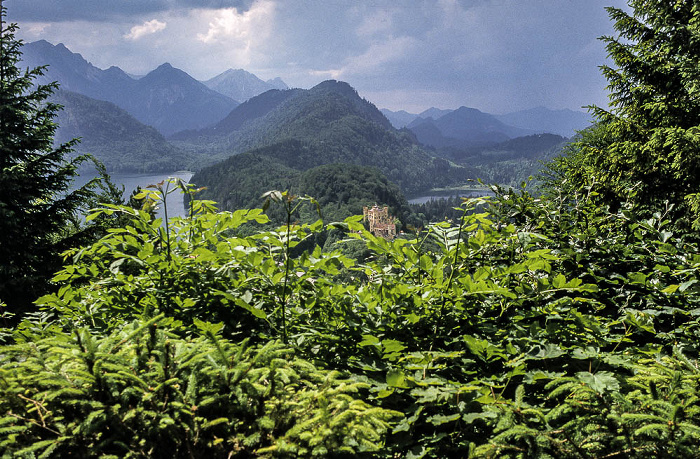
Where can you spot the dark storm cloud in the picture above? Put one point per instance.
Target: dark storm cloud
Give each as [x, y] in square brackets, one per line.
[495, 55]
[105, 10]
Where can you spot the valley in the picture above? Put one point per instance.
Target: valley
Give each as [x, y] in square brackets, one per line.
[330, 292]
[243, 136]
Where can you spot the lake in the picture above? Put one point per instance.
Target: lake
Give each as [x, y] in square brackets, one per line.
[448, 194]
[175, 202]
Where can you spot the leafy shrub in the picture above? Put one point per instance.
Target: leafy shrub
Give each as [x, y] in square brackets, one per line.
[488, 335]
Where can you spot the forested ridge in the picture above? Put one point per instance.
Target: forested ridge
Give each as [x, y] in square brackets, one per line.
[109, 133]
[328, 124]
[560, 322]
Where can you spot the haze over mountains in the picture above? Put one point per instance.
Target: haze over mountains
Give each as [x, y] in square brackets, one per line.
[167, 120]
[241, 85]
[535, 120]
[166, 98]
[117, 139]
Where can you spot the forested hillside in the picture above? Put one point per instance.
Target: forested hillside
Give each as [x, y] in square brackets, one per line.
[114, 137]
[557, 324]
[511, 162]
[301, 130]
[341, 190]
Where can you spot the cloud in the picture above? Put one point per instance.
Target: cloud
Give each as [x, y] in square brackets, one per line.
[378, 56]
[107, 10]
[230, 24]
[147, 28]
[495, 55]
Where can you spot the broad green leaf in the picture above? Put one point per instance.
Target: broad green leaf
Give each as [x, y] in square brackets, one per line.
[369, 340]
[396, 378]
[601, 382]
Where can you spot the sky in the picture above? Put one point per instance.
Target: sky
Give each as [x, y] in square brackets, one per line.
[495, 55]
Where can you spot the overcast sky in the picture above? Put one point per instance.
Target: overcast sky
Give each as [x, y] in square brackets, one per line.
[494, 55]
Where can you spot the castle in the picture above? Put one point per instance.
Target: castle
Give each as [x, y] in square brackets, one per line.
[380, 223]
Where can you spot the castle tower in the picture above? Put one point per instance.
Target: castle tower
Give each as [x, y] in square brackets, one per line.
[380, 222]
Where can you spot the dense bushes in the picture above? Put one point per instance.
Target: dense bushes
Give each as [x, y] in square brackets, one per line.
[563, 325]
[141, 391]
[531, 328]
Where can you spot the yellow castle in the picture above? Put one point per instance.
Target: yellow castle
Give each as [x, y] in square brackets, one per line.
[380, 222]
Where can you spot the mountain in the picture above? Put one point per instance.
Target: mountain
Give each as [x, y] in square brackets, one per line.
[427, 133]
[277, 83]
[399, 119]
[434, 113]
[510, 162]
[327, 124]
[170, 100]
[463, 127]
[247, 112]
[167, 98]
[241, 85]
[402, 118]
[562, 122]
[75, 73]
[540, 119]
[113, 136]
[465, 123]
[292, 114]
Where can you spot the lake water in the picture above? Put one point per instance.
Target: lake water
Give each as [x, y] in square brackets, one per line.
[175, 201]
[449, 194]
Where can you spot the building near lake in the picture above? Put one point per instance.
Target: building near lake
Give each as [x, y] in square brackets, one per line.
[381, 224]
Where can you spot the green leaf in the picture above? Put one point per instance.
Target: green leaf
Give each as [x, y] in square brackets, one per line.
[396, 378]
[369, 340]
[241, 302]
[601, 382]
[685, 285]
[392, 345]
[440, 419]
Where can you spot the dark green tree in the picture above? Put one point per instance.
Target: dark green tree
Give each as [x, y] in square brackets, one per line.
[38, 210]
[649, 138]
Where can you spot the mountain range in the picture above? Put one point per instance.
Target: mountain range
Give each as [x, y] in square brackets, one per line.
[539, 120]
[297, 130]
[464, 127]
[167, 98]
[117, 139]
[167, 120]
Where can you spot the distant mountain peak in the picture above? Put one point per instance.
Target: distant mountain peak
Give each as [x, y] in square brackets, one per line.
[277, 83]
[339, 87]
[232, 71]
[241, 85]
[434, 113]
[170, 73]
[167, 98]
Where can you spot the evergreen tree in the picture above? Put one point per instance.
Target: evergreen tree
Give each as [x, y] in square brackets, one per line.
[38, 211]
[649, 139]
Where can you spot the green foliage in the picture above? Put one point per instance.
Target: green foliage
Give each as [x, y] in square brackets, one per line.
[142, 392]
[495, 336]
[649, 139]
[39, 212]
